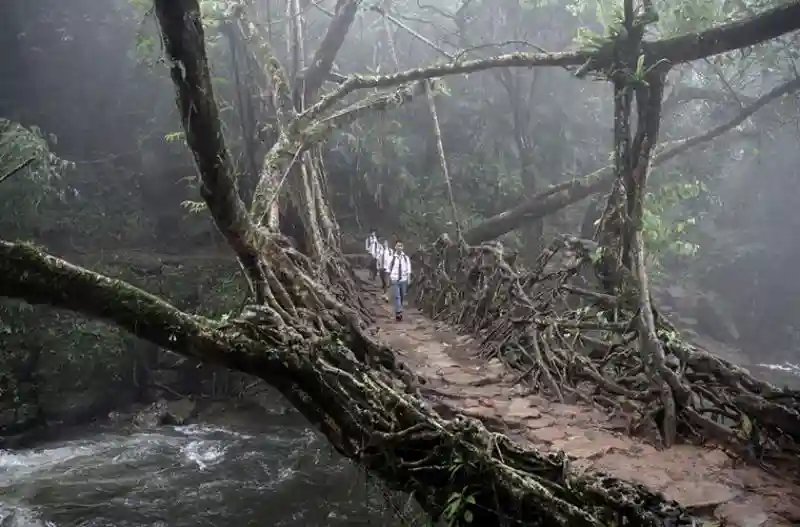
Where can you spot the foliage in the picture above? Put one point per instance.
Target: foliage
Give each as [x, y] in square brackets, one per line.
[670, 217]
[30, 149]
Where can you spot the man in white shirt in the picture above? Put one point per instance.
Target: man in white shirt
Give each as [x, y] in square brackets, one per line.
[371, 246]
[385, 254]
[399, 271]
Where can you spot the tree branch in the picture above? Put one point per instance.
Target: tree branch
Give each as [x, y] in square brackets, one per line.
[437, 131]
[573, 191]
[754, 30]
[19, 168]
[360, 82]
[322, 62]
[686, 48]
[285, 150]
[41, 279]
[183, 36]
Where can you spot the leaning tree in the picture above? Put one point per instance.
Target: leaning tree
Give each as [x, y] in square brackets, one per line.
[303, 330]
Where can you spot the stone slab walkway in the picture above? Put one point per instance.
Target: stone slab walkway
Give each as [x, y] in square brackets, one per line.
[704, 480]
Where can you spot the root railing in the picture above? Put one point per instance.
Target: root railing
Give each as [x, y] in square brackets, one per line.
[568, 339]
[354, 391]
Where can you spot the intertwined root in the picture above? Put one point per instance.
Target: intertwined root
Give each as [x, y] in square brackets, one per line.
[566, 338]
[355, 392]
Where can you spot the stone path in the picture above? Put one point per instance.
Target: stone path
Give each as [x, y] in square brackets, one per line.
[704, 480]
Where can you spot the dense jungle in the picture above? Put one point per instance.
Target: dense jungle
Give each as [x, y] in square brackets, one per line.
[597, 193]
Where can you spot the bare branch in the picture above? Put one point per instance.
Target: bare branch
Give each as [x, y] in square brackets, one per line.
[331, 43]
[442, 158]
[360, 82]
[410, 31]
[19, 168]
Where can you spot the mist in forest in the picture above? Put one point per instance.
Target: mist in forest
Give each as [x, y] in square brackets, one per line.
[92, 79]
[99, 173]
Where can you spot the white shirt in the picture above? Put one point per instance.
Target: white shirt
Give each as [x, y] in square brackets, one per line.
[371, 245]
[399, 267]
[384, 256]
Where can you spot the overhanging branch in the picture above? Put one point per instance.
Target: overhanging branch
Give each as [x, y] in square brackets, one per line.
[767, 25]
[575, 190]
[322, 61]
[38, 278]
[360, 82]
[686, 48]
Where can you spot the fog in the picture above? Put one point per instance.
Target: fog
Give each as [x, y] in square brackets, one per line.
[98, 172]
[90, 76]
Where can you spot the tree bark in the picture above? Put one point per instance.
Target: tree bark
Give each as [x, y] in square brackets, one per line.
[185, 45]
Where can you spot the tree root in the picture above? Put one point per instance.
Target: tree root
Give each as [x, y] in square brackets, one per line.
[350, 388]
[566, 338]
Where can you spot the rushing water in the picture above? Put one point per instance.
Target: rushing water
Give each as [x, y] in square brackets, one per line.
[196, 475]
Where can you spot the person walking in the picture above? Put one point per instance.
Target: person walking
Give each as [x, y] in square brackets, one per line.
[385, 254]
[371, 246]
[399, 271]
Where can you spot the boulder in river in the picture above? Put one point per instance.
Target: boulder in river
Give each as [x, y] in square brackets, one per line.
[164, 412]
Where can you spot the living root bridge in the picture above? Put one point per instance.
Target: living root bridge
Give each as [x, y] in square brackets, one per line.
[568, 339]
[359, 403]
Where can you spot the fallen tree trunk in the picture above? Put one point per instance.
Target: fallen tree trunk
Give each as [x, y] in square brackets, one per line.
[570, 192]
[568, 338]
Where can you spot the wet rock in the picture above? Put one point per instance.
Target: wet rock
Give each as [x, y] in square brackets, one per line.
[546, 435]
[164, 412]
[179, 412]
[151, 416]
[165, 377]
[741, 515]
[520, 408]
[15, 420]
[700, 494]
[8, 417]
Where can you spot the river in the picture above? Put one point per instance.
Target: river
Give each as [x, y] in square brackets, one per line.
[237, 469]
[196, 475]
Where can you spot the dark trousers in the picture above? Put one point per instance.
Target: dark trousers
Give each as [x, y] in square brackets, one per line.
[374, 269]
[384, 280]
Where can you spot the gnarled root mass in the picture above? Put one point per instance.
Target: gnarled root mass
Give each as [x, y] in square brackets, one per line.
[567, 339]
[354, 392]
